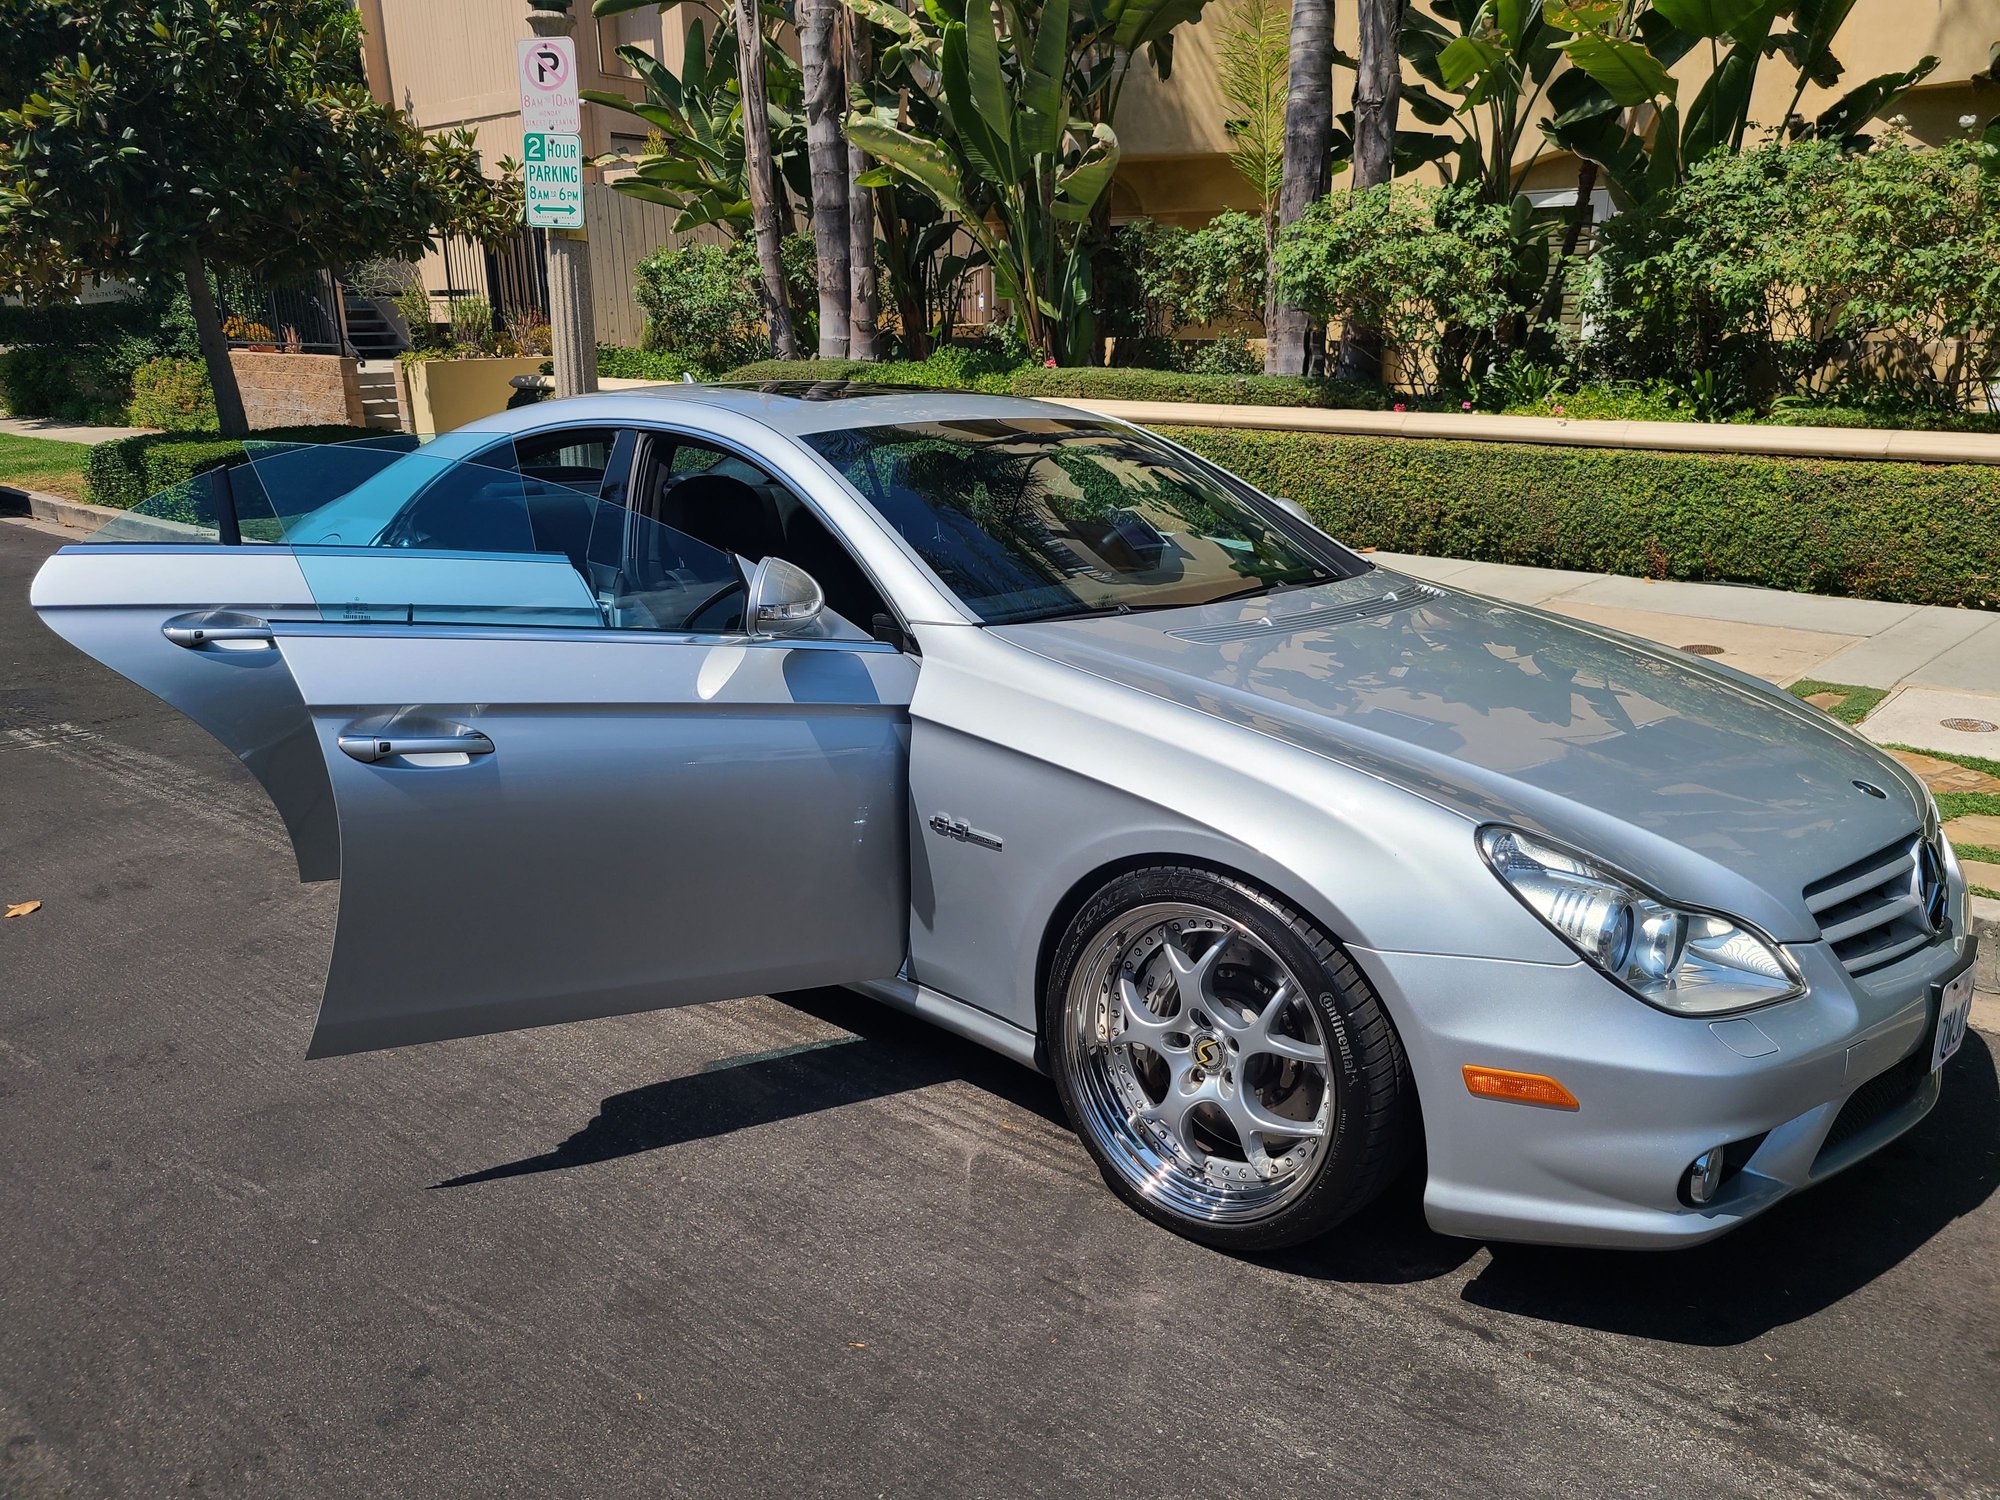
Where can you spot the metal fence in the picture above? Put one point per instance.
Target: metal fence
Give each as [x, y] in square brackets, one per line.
[512, 276]
[305, 314]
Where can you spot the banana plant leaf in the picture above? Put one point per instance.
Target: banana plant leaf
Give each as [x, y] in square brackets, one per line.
[1628, 72]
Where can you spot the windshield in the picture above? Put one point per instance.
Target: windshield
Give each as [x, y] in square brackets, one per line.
[1031, 519]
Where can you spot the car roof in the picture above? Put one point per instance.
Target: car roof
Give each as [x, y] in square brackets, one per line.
[798, 407]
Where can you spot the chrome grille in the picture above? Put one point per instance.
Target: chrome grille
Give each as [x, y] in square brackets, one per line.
[1873, 912]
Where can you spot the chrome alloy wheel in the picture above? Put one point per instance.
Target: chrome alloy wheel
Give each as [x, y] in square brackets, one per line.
[1200, 1063]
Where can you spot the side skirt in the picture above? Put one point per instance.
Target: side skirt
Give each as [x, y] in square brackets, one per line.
[955, 1016]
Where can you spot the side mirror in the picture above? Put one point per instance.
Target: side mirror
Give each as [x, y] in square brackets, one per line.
[784, 599]
[1292, 508]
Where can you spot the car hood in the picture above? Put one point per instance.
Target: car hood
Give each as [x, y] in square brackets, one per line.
[1710, 787]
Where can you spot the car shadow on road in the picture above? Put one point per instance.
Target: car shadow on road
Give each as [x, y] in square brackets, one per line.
[1802, 1256]
[887, 1053]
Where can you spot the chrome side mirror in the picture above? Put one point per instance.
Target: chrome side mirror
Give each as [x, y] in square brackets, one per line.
[1292, 508]
[784, 599]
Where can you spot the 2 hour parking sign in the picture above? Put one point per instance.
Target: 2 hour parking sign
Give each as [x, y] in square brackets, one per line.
[552, 175]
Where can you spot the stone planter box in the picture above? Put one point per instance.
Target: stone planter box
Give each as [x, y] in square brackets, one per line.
[445, 393]
[297, 390]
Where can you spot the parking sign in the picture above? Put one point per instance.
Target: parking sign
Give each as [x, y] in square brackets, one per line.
[552, 176]
[548, 85]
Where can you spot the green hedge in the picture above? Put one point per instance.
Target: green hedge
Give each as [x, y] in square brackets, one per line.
[942, 372]
[960, 370]
[1916, 533]
[127, 471]
[621, 363]
[1226, 390]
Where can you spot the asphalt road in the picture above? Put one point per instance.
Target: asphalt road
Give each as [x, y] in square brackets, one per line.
[803, 1247]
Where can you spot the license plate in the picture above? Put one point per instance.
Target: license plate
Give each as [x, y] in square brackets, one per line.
[1954, 1012]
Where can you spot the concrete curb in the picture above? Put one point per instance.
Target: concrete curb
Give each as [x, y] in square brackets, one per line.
[1683, 437]
[1985, 917]
[80, 515]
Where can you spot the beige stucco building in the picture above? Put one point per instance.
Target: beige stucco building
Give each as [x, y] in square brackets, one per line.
[451, 63]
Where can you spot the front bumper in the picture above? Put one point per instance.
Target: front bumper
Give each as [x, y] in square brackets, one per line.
[1655, 1091]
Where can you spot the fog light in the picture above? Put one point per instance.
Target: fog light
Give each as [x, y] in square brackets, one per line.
[1704, 1176]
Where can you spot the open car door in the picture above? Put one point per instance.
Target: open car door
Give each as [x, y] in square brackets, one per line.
[556, 778]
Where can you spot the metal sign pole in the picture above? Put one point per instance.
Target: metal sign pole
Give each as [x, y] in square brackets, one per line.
[552, 157]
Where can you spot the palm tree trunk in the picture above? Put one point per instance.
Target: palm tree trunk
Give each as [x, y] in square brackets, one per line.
[757, 168]
[1308, 131]
[864, 339]
[230, 418]
[1378, 95]
[826, 152]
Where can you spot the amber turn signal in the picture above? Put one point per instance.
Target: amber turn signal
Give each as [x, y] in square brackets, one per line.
[1521, 1088]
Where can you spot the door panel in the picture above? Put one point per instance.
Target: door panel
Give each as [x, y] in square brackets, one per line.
[658, 822]
[117, 603]
[478, 696]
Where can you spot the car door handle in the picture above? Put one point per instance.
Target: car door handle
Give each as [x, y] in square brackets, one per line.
[228, 628]
[370, 748]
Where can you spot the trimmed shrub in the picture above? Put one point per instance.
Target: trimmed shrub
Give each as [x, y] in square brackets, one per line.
[977, 370]
[947, 370]
[127, 471]
[173, 394]
[702, 304]
[1914, 533]
[1175, 385]
[621, 363]
[71, 385]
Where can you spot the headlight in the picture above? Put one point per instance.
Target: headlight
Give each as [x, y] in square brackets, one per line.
[1693, 963]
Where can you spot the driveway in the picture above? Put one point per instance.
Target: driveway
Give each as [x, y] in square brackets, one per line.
[802, 1245]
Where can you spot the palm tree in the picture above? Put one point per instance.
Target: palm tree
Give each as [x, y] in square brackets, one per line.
[864, 302]
[826, 153]
[764, 201]
[1308, 134]
[1378, 94]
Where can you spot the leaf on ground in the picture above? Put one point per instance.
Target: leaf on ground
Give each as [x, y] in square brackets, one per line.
[22, 908]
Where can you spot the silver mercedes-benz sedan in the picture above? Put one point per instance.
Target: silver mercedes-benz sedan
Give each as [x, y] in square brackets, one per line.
[1285, 867]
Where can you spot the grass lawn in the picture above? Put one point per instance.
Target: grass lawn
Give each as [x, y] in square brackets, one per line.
[39, 464]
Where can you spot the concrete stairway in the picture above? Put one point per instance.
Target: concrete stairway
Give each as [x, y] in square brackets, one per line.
[371, 334]
[377, 379]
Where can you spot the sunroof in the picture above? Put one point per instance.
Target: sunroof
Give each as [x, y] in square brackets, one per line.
[826, 390]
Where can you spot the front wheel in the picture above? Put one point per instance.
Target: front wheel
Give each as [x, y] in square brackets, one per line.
[1226, 1064]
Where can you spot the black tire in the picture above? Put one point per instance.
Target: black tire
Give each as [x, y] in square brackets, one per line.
[1373, 1126]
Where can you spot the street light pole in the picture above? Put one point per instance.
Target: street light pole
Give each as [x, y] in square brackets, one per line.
[572, 329]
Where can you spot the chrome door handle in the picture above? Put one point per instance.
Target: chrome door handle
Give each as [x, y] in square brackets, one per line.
[370, 748]
[210, 627]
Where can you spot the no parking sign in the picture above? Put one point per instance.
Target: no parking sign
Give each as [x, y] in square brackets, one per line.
[547, 67]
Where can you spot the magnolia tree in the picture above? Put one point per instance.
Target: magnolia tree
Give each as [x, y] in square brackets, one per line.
[194, 136]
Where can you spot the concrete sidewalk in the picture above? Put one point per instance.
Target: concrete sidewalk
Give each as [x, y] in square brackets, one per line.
[65, 432]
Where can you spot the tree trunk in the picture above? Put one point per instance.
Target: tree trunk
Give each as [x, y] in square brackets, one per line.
[230, 419]
[864, 339]
[1308, 133]
[757, 168]
[1378, 95]
[826, 152]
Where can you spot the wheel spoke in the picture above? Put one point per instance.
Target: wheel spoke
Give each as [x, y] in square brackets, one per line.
[1258, 1036]
[1191, 975]
[1176, 1111]
[1250, 1115]
[1143, 1025]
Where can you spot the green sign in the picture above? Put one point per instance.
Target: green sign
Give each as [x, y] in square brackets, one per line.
[552, 174]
